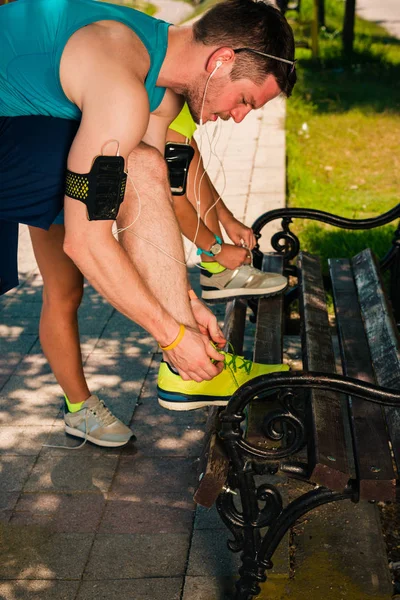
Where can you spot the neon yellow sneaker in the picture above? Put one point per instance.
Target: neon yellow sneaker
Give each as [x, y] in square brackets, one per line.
[176, 394]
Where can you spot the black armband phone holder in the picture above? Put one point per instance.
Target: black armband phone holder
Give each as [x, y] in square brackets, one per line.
[102, 190]
[178, 158]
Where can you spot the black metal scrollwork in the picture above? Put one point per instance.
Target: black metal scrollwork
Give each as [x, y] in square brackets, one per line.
[286, 242]
[232, 518]
[284, 424]
[272, 499]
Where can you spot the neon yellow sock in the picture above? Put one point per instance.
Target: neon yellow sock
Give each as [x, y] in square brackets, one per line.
[213, 267]
[73, 406]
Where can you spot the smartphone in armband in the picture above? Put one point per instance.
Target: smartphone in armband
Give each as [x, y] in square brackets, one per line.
[109, 181]
[101, 190]
[178, 158]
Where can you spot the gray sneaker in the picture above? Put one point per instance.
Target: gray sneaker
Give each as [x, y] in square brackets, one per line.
[96, 423]
[244, 282]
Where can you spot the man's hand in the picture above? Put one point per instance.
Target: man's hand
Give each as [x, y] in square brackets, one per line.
[193, 355]
[239, 233]
[207, 322]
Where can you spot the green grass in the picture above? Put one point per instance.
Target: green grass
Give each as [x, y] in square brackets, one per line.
[343, 131]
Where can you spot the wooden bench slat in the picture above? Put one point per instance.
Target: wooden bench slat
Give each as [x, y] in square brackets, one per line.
[268, 337]
[235, 322]
[214, 464]
[368, 420]
[267, 348]
[330, 453]
[382, 334]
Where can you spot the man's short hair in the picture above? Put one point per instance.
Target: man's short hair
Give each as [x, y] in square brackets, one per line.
[251, 24]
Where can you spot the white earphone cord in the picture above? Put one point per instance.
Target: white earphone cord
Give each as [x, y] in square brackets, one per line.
[196, 186]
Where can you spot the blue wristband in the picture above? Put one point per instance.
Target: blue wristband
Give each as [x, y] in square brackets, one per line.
[207, 252]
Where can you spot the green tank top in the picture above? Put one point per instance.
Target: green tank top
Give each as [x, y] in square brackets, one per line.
[34, 34]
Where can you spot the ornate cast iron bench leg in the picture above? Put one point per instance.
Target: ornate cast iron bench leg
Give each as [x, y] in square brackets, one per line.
[246, 525]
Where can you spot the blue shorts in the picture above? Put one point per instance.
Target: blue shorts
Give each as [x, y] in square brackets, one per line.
[33, 160]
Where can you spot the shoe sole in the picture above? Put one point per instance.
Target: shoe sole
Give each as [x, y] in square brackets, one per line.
[221, 295]
[191, 405]
[80, 434]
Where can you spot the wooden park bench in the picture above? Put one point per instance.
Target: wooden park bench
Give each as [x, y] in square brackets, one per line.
[338, 429]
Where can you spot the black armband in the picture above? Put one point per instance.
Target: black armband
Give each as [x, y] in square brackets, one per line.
[102, 190]
[178, 157]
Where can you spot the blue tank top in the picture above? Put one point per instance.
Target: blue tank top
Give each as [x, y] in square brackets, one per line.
[33, 36]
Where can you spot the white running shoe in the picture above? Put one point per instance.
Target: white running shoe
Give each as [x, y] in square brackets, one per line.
[95, 423]
[244, 282]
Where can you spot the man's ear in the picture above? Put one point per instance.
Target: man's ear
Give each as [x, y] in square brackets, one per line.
[223, 57]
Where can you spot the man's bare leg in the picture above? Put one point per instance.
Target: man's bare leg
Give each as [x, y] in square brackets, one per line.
[62, 295]
[160, 236]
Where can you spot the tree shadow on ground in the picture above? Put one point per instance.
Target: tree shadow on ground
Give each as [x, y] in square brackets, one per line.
[369, 79]
[370, 84]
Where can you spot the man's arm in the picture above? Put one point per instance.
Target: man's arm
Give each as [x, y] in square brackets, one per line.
[115, 116]
[186, 208]
[91, 244]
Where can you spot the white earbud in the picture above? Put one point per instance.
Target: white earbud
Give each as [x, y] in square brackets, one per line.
[218, 64]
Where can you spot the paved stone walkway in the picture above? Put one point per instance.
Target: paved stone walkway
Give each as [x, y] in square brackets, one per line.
[101, 523]
[385, 13]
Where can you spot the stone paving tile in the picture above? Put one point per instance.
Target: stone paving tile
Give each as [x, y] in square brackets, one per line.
[21, 406]
[238, 187]
[8, 499]
[267, 180]
[275, 139]
[137, 556]
[208, 588]
[14, 472]
[21, 344]
[208, 518]
[137, 589]
[15, 327]
[7, 503]
[63, 513]
[166, 433]
[15, 309]
[158, 514]
[93, 305]
[25, 440]
[210, 556]
[172, 435]
[92, 325]
[175, 440]
[42, 386]
[123, 336]
[142, 475]
[34, 365]
[88, 343]
[267, 157]
[9, 361]
[30, 291]
[5, 516]
[30, 552]
[38, 590]
[72, 473]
